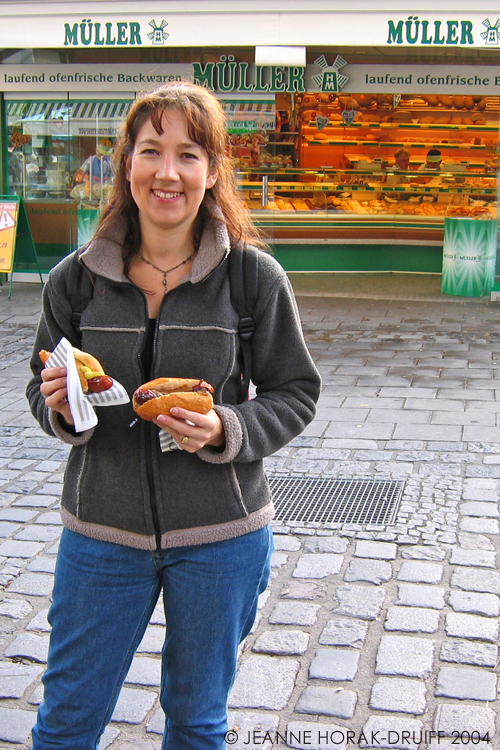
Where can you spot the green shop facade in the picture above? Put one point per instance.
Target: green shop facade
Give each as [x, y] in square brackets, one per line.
[319, 102]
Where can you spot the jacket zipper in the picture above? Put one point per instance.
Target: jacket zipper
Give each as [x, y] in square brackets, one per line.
[149, 448]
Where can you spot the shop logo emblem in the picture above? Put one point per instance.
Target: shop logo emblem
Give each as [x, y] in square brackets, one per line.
[158, 36]
[330, 79]
[492, 34]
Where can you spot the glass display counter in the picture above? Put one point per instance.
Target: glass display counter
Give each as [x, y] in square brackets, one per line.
[335, 194]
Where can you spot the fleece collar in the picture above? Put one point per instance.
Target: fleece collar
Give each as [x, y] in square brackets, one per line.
[103, 256]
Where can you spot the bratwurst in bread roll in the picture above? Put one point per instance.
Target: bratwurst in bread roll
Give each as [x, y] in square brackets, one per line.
[90, 371]
[159, 396]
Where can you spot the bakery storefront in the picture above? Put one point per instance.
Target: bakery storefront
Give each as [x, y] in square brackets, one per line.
[350, 157]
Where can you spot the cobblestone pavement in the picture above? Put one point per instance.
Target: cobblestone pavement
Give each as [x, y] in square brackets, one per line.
[367, 636]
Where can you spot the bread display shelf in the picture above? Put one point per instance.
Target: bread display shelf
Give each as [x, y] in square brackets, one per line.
[401, 125]
[398, 144]
[326, 187]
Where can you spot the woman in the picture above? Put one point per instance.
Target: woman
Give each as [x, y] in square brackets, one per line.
[193, 523]
[401, 164]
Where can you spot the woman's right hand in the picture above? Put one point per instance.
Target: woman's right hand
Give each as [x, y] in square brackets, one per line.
[54, 389]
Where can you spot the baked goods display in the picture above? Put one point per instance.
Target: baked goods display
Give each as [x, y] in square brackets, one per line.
[346, 148]
[463, 128]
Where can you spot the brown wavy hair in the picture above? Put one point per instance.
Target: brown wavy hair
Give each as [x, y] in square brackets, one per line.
[206, 124]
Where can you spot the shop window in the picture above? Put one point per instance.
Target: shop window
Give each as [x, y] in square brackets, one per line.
[59, 161]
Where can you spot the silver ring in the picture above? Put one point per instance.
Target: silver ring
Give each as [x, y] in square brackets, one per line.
[184, 440]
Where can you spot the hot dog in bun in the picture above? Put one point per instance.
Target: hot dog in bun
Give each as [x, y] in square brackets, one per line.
[159, 396]
[90, 371]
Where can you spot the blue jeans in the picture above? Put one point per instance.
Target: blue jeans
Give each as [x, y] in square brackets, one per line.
[104, 595]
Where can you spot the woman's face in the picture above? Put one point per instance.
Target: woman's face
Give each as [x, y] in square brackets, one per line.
[168, 174]
[403, 161]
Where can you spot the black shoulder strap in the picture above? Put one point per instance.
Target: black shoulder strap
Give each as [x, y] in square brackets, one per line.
[79, 291]
[244, 285]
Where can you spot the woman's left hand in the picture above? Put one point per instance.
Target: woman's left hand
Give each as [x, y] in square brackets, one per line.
[199, 429]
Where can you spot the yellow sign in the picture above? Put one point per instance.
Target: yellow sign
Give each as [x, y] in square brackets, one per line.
[9, 212]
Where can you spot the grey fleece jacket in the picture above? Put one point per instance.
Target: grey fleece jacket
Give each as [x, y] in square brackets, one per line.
[118, 485]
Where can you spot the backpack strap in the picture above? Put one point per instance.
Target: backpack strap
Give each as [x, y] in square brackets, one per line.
[244, 286]
[79, 292]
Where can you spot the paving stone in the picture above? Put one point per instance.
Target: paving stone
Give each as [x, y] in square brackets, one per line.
[374, 571]
[36, 696]
[318, 565]
[35, 501]
[473, 684]
[278, 559]
[282, 642]
[359, 601]
[420, 595]
[264, 682]
[405, 655]
[294, 613]
[334, 664]
[479, 604]
[254, 730]
[16, 678]
[480, 483]
[20, 549]
[475, 541]
[326, 544]
[52, 517]
[7, 528]
[391, 732]
[17, 514]
[51, 488]
[324, 701]
[156, 724]
[469, 652]
[295, 589]
[471, 626]
[395, 694]
[482, 558]
[36, 533]
[16, 724]
[34, 584]
[153, 640]
[15, 608]
[40, 622]
[42, 564]
[316, 736]
[476, 579]
[452, 718]
[420, 572]
[144, 670]
[412, 619]
[419, 552]
[479, 510]
[286, 543]
[133, 705]
[376, 550]
[108, 737]
[479, 525]
[480, 493]
[29, 646]
[344, 631]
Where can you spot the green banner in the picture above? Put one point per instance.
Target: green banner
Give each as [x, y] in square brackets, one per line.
[469, 255]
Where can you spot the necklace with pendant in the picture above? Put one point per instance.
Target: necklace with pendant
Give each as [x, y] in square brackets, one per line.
[182, 263]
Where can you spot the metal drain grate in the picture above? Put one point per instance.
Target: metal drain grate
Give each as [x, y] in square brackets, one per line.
[360, 501]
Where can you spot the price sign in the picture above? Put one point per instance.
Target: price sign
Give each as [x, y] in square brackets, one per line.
[8, 227]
